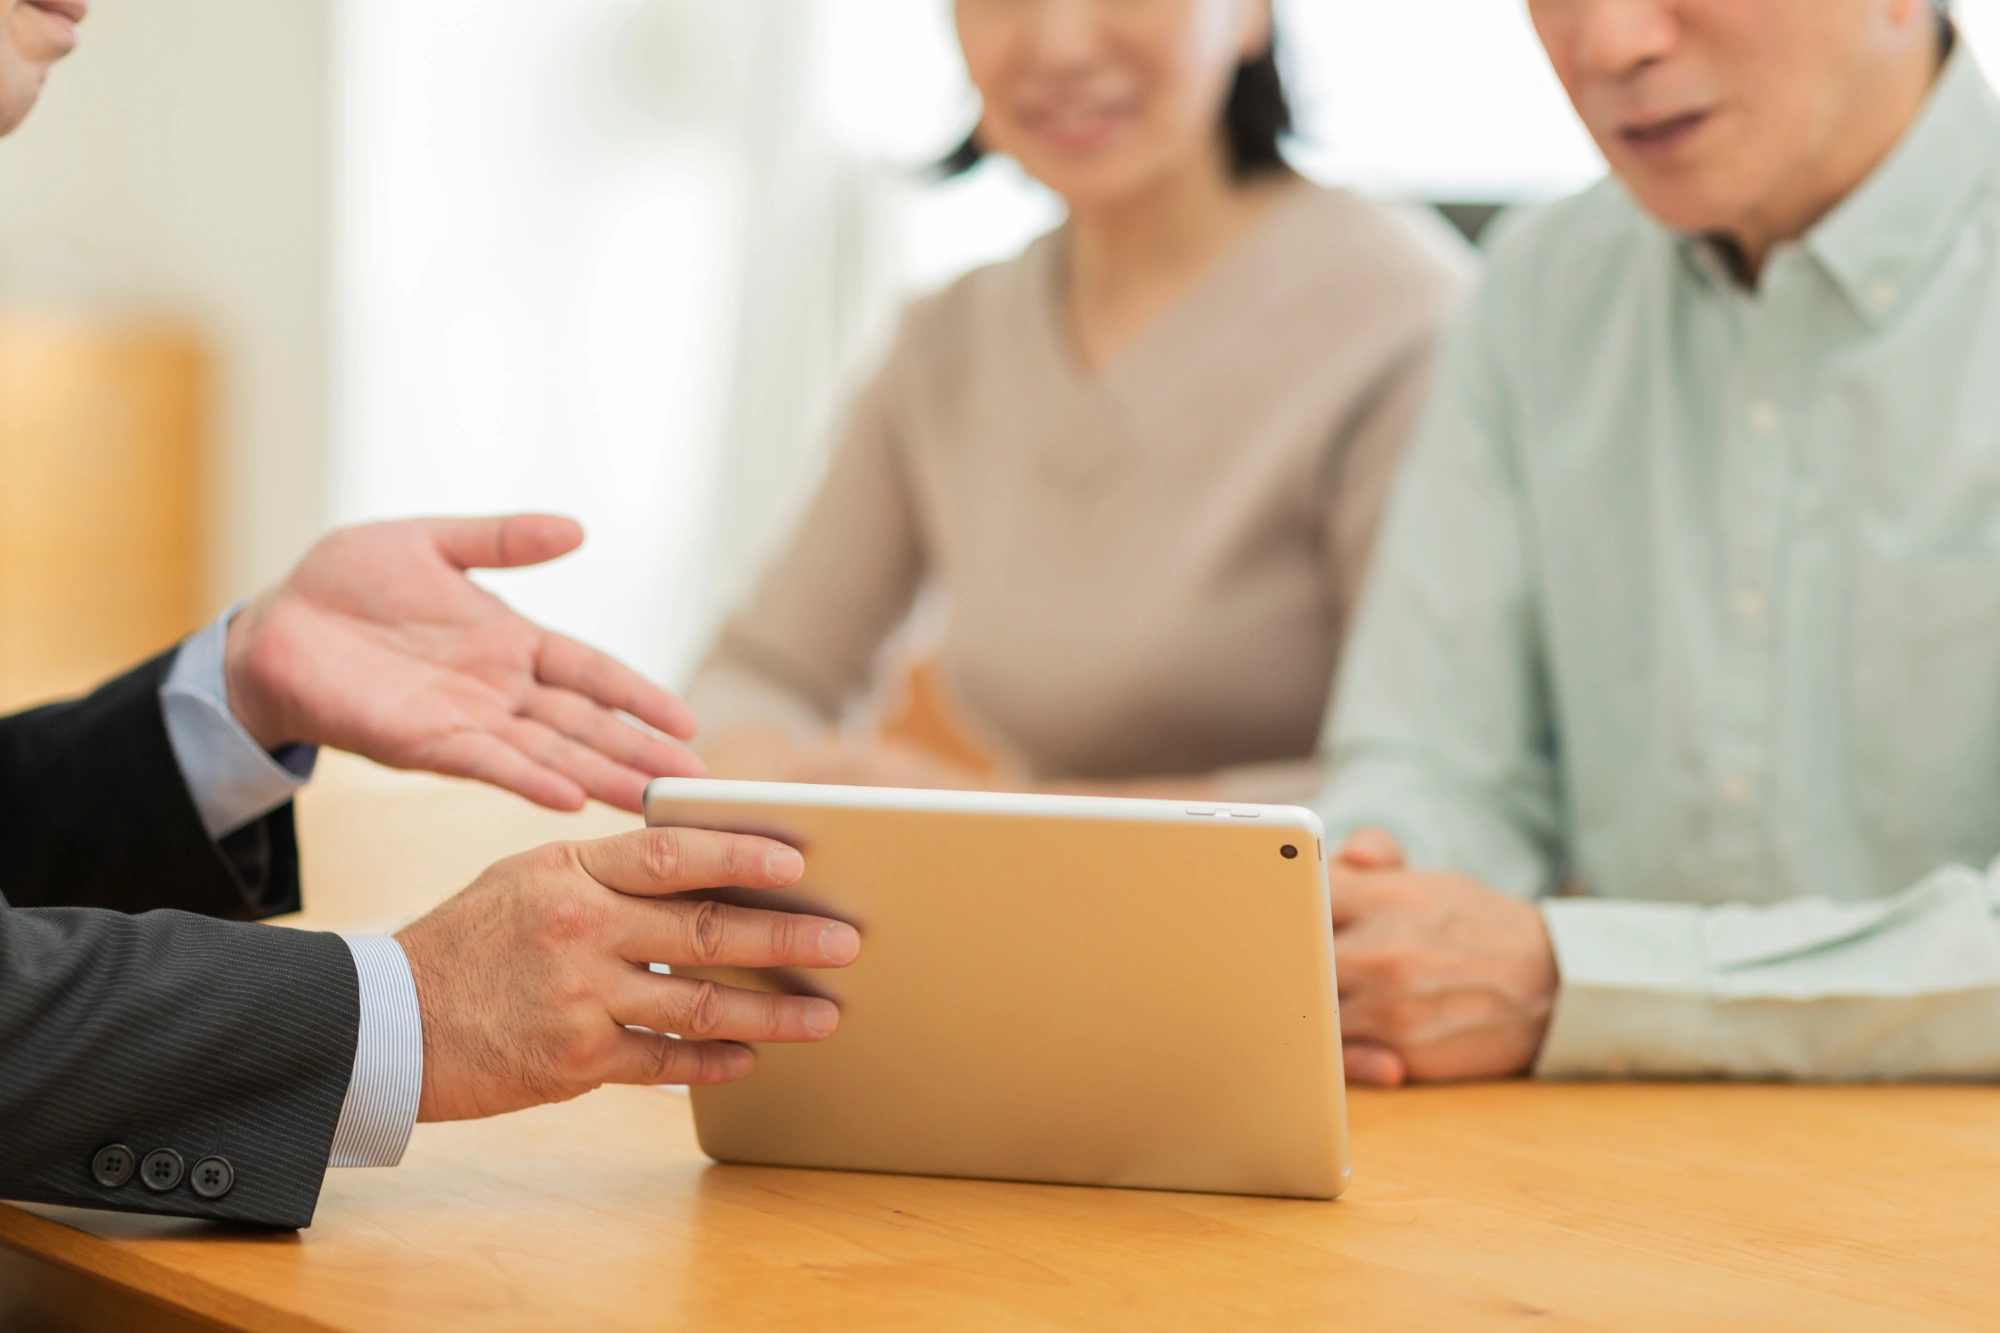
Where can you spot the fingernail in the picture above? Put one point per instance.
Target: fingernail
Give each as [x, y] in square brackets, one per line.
[821, 1017]
[738, 1060]
[782, 863]
[839, 942]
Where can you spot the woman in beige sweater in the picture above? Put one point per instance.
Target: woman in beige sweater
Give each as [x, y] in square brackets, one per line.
[1143, 461]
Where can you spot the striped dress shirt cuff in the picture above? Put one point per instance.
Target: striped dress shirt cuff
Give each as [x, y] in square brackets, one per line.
[233, 781]
[388, 1078]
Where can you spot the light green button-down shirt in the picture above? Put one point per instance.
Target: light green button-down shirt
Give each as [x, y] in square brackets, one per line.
[1689, 604]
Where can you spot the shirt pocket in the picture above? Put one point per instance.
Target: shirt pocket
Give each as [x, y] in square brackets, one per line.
[1924, 714]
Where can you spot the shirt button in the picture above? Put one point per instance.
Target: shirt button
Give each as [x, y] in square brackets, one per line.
[1736, 789]
[1750, 604]
[212, 1177]
[113, 1165]
[1765, 418]
[161, 1170]
[1882, 294]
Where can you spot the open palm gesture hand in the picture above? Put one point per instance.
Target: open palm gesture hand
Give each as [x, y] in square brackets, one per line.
[379, 644]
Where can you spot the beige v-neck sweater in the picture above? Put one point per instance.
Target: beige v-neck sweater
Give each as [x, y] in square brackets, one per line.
[1150, 570]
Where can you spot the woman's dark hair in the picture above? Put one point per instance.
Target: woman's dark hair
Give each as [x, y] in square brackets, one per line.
[1255, 120]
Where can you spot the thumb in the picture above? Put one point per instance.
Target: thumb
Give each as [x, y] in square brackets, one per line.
[504, 542]
[1372, 849]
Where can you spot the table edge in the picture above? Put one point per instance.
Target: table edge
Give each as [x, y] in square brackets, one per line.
[100, 1260]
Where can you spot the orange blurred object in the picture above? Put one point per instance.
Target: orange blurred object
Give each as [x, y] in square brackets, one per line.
[102, 428]
[920, 714]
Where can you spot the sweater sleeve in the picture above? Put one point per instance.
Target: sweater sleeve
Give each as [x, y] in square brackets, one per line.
[805, 643]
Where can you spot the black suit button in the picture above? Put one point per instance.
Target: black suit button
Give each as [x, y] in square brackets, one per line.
[161, 1170]
[113, 1165]
[212, 1177]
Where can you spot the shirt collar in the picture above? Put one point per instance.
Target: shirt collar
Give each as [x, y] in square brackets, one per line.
[1879, 243]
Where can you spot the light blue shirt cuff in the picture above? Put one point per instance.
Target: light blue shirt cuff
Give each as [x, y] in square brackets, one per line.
[233, 780]
[388, 1078]
[1894, 988]
[1634, 997]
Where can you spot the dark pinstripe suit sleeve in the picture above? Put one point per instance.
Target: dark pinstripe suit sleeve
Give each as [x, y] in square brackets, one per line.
[170, 1030]
[94, 813]
[164, 1029]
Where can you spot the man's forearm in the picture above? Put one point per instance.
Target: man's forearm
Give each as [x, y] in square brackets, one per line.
[1908, 987]
[234, 783]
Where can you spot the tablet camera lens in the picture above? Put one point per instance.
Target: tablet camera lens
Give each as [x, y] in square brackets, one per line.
[1288, 851]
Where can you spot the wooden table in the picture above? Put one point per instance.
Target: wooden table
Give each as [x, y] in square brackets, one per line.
[1510, 1205]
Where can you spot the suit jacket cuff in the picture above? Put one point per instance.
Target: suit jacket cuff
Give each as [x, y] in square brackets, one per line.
[388, 1079]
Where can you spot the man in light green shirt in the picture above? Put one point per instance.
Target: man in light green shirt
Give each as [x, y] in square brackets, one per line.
[1686, 617]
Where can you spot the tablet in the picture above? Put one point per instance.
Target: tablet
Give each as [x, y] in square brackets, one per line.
[1079, 990]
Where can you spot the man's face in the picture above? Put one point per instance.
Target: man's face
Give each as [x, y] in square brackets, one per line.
[1734, 115]
[34, 34]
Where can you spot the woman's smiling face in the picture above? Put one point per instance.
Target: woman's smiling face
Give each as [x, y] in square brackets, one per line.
[34, 34]
[1096, 98]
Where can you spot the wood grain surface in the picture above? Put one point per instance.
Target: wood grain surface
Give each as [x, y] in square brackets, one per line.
[1497, 1206]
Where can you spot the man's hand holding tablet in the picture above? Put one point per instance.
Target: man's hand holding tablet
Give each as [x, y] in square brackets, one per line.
[530, 981]
[547, 957]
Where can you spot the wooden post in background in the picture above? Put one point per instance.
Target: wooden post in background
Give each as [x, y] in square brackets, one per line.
[103, 428]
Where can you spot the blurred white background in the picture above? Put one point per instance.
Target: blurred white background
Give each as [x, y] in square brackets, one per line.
[623, 257]
[617, 258]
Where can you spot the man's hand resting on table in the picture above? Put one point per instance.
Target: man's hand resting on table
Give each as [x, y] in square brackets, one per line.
[1440, 977]
[379, 644]
[531, 981]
